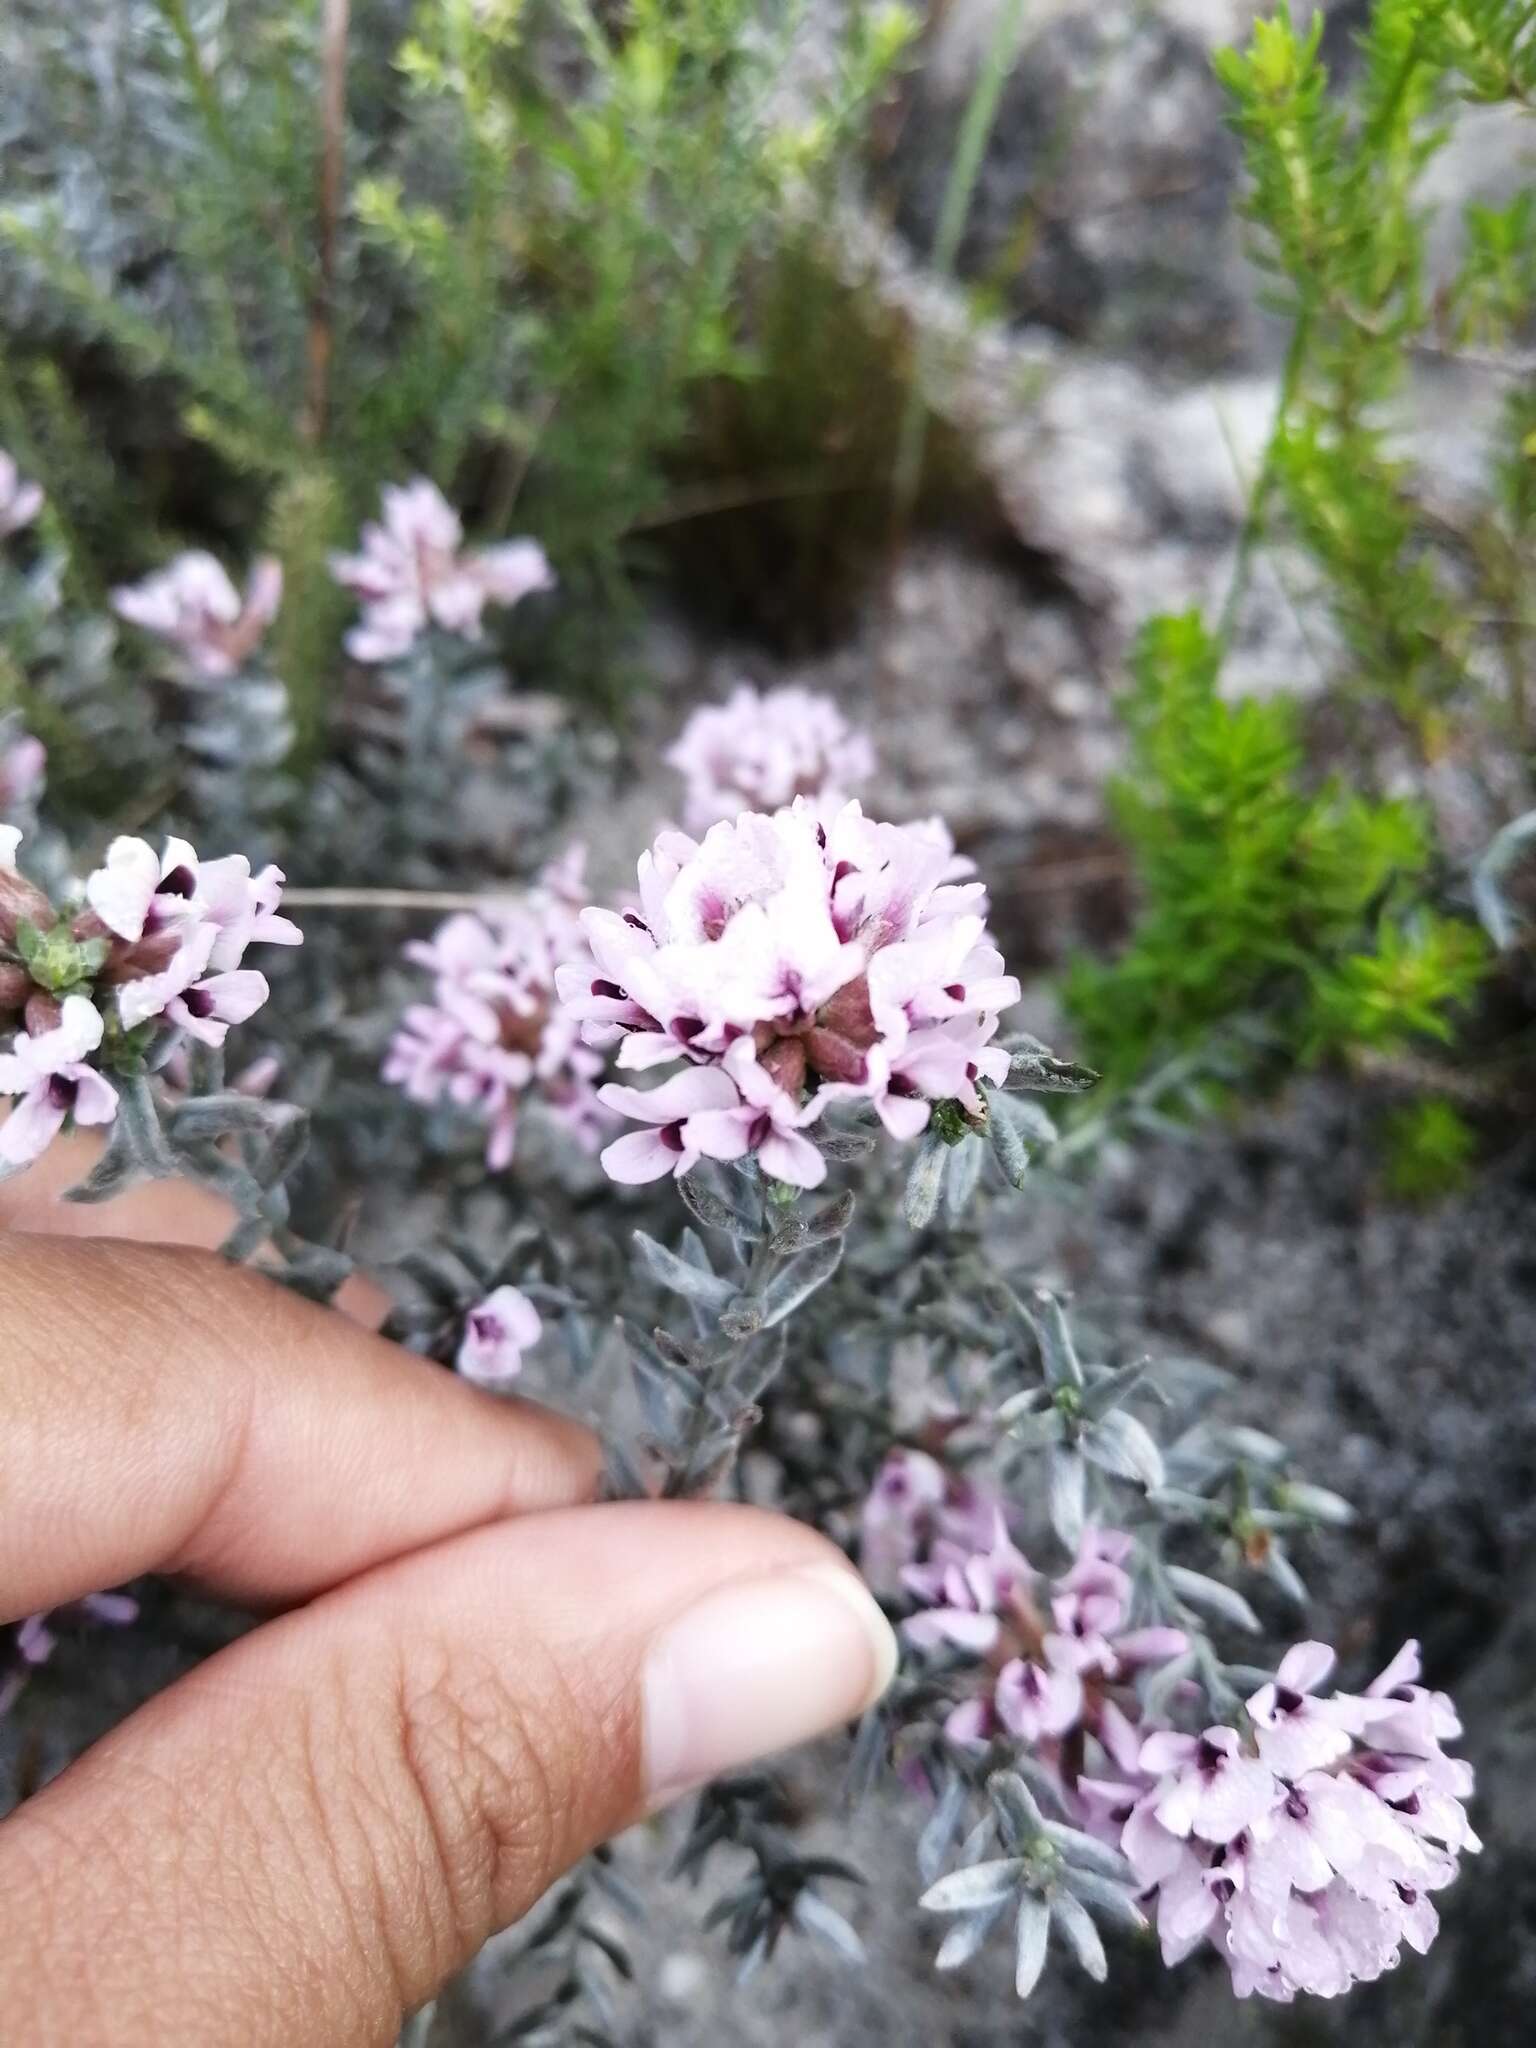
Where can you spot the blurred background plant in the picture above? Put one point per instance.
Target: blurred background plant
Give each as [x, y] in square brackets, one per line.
[502, 243]
[1277, 880]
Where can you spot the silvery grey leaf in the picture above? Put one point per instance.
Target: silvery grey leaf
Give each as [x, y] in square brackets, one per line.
[1032, 1943]
[1124, 1447]
[1488, 898]
[1181, 1506]
[220, 1116]
[968, 1936]
[1028, 1119]
[1211, 1596]
[706, 1290]
[743, 1319]
[937, 1837]
[1068, 1494]
[1057, 1351]
[1034, 1432]
[713, 1210]
[622, 1478]
[1037, 1069]
[1165, 1682]
[844, 1145]
[1285, 1575]
[799, 1233]
[317, 1272]
[925, 1182]
[245, 1240]
[1007, 1140]
[964, 1172]
[136, 1148]
[286, 1142]
[1111, 1388]
[800, 1279]
[1017, 1805]
[1086, 1852]
[1254, 1445]
[1110, 1900]
[661, 1399]
[1318, 1504]
[812, 1915]
[981, 1884]
[1076, 1923]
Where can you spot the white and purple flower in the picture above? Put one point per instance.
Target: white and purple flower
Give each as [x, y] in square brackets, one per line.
[412, 570]
[161, 941]
[797, 958]
[494, 1038]
[497, 1331]
[758, 753]
[194, 607]
[1309, 1858]
[49, 1072]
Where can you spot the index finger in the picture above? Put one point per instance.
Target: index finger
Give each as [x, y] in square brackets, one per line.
[149, 1212]
[162, 1410]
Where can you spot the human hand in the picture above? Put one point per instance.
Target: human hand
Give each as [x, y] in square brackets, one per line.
[478, 1675]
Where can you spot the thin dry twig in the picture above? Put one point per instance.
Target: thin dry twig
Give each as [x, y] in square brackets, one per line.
[396, 899]
[321, 340]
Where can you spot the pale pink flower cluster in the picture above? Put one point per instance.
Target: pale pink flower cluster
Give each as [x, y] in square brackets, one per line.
[493, 1036]
[194, 607]
[23, 762]
[1059, 1653]
[758, 753]
[790, 961]
[1307, 1850]
[497, 1331]
[20, 501]
[171, 931]
[35, 1639]
[412, 570]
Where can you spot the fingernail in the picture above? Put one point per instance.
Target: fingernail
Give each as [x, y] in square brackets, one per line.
[757, 1666]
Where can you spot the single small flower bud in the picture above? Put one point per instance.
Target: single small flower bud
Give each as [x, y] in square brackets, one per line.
[849, 1015]
[834, 1058]
[43, 1012]
[21, 903]
[785, 1061]
[132, 960]
[14, 984]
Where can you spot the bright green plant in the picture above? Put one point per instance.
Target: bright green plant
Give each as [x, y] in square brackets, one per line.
[1339, 217]
[1262, 892]
[1429, 1149]
[1307, 916]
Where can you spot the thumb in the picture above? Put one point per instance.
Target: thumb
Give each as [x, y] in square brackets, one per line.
[303, 1839]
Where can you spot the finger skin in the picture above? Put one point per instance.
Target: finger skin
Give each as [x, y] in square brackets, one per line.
[301, 1841]
[150, 1212]
[161, 1410]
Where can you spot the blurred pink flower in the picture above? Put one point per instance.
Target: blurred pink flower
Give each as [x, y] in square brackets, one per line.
[23, 761]
[20, 502]
[757, 753]
[194, 607]
[412, 571]
[493, 1038]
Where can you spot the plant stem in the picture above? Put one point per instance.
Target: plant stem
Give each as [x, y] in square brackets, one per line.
[321, 339]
